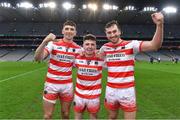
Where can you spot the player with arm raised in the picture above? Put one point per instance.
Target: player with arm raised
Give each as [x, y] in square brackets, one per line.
[119, 56]
[58, 83]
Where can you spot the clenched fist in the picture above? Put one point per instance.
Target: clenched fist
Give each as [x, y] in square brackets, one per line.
[158, 18]
[50, 37]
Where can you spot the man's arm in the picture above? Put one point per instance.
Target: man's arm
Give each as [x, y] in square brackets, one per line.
[157, 40]
[40, 53]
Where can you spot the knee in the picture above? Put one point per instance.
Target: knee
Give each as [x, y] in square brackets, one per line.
[111, 117]
[47, 116]
[65, 114]
[93, 116]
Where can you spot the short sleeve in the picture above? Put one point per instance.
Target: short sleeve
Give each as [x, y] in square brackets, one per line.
[49, 47]
[101, 50]
[136, 46]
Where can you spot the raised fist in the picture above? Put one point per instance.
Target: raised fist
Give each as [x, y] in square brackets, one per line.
[50, 37]
[158, 18]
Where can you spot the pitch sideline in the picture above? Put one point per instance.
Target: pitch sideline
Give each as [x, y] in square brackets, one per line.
[21, 75]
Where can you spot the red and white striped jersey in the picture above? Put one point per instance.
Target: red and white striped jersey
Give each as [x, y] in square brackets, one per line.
[120, 62]
[89, 74]
[62, 55]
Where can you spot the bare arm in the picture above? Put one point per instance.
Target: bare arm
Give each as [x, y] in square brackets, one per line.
[40, 53]
[157, 40]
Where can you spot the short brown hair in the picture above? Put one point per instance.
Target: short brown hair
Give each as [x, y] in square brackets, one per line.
[69, 22]
[111, 23]
[89, 37]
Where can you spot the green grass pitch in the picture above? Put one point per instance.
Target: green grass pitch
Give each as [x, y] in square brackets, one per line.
[157, 89]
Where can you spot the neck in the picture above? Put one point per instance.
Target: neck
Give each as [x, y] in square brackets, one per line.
[89, 55]
[66, 40]
[119, 41]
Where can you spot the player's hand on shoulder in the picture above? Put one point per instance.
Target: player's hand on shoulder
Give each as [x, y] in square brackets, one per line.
[81, 53]
[99, 54]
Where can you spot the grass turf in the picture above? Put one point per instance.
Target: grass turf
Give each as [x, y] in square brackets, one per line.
[21, 85]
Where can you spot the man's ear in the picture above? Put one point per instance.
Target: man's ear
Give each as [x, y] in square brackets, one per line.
[119, 32]
[105, 30]
[62, 31]
[75, 33]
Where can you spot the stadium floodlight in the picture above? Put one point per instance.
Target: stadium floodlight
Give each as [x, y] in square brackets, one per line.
[170, 9]
[5, 4]
[129, 8]
[41, 5]
[92, 6]
[68, 5]
[26, 5]
[149, 9]
[84, 6]
[51, 5]
[114, 7]
[107, 6]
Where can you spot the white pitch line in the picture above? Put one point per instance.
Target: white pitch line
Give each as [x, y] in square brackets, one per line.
[20, 75]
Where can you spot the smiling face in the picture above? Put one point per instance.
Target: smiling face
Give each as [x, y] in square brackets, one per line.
[69, 32]
[89, 47]
[113, 33]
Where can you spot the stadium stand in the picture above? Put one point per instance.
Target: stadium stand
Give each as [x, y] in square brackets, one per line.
[17, 55]
[21, 31]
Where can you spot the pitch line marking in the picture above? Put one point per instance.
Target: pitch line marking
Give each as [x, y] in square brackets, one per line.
[21, 75]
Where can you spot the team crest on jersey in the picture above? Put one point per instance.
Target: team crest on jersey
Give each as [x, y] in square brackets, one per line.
[123, 47]
[73, 50]
[88, 62]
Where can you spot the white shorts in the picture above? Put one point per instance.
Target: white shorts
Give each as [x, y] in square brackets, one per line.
[124, 98]
[54, 91]
[81, 104]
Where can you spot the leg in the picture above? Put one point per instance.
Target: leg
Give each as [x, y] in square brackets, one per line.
[93, 115]
[111, 102]
[78, 115]
[79, 107]
[65, 109]
[93, 107]
[66, 98]
[49, 101]
[48, 109]
[112, 114]
[129, 105]
[130, 115]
